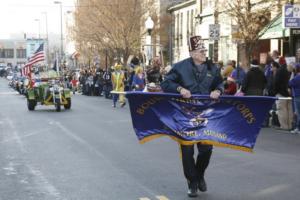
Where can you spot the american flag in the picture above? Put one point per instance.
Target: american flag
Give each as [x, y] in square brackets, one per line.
[36, 57]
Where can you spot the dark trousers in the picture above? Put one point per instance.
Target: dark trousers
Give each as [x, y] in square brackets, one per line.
[100, 89]
[194, 171]
[115, 99]
[107, 89]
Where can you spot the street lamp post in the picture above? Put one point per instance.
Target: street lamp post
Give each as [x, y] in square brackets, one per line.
[149, 24]
[39, 31]
[47, 38]
[61, 30]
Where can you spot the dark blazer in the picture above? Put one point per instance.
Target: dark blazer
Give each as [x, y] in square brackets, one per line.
[281, 81]
[186, 75]
[254, 82]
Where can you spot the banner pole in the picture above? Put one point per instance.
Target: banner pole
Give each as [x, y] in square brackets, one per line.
[116, 92]
[284, 98]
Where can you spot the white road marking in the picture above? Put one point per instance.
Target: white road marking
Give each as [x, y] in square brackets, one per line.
[8, 93]
[41, 181]
[99, 154]
[272, 190]
[10, 169]
[44, 184]
[25, 136]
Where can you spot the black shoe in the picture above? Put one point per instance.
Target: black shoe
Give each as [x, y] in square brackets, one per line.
[202, 185]
[123, 104]
[192, 191]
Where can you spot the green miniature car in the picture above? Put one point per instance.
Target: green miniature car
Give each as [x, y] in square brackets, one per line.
[49, 93]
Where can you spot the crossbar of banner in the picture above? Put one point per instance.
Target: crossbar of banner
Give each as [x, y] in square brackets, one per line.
[116, 92]
[284, 98]
[279, 98]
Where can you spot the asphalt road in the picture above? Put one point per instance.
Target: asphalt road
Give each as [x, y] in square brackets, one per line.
[91, 153]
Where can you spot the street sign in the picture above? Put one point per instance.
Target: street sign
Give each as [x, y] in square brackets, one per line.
[236, 35]
[291, 16]
[296, 32]
[214, 31]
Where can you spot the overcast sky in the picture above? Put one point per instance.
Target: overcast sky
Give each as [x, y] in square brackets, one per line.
[19, 17]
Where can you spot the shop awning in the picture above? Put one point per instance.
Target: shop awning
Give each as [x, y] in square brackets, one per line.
[275, 30]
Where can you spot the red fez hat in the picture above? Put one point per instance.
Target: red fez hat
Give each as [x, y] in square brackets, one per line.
[196, 43]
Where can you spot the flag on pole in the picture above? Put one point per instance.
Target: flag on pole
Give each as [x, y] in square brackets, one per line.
[231, 121]
[75, 55]
[38, 56]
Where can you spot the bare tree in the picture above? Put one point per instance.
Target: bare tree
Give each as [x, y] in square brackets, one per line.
[113, 26]
[251, 16]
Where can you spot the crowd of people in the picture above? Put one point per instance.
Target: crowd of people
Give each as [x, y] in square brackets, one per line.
[96, 81]
[276, 78]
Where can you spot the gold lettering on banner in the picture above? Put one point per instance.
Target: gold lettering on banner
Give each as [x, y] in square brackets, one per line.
[189, 101]
[147, 104]
[244, 110]
[183, 133]
[221, 136]
[240, 106]
[186, 133]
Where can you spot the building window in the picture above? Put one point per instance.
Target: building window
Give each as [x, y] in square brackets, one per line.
[187, 25]
[181, 27]
[192, 22]
[206, 4]
[32, 48]
[21, 53]
[6, 53]
[177, 30]
[9, 53]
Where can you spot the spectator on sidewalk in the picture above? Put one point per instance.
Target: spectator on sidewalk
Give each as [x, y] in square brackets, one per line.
[238, 74]
[284, 107]
[295, 86]
[275, 55]
[270, 89]
[74, 84]
[220, 65]
[255, 81]
[230, 86]
[153, 74]
[228, 69]
[138, 82]
[107, 83]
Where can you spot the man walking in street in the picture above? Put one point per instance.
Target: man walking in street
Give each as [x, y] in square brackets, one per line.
[195, 75]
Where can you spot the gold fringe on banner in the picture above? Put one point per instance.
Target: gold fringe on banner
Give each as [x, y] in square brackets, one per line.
[208, 142]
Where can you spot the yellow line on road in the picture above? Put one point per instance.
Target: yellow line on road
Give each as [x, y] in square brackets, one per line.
[162, 198]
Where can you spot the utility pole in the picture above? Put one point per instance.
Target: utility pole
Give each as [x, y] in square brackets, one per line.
[61, 32]
[291, 38]
[47, 40]
[39, 29]
[216, 42]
